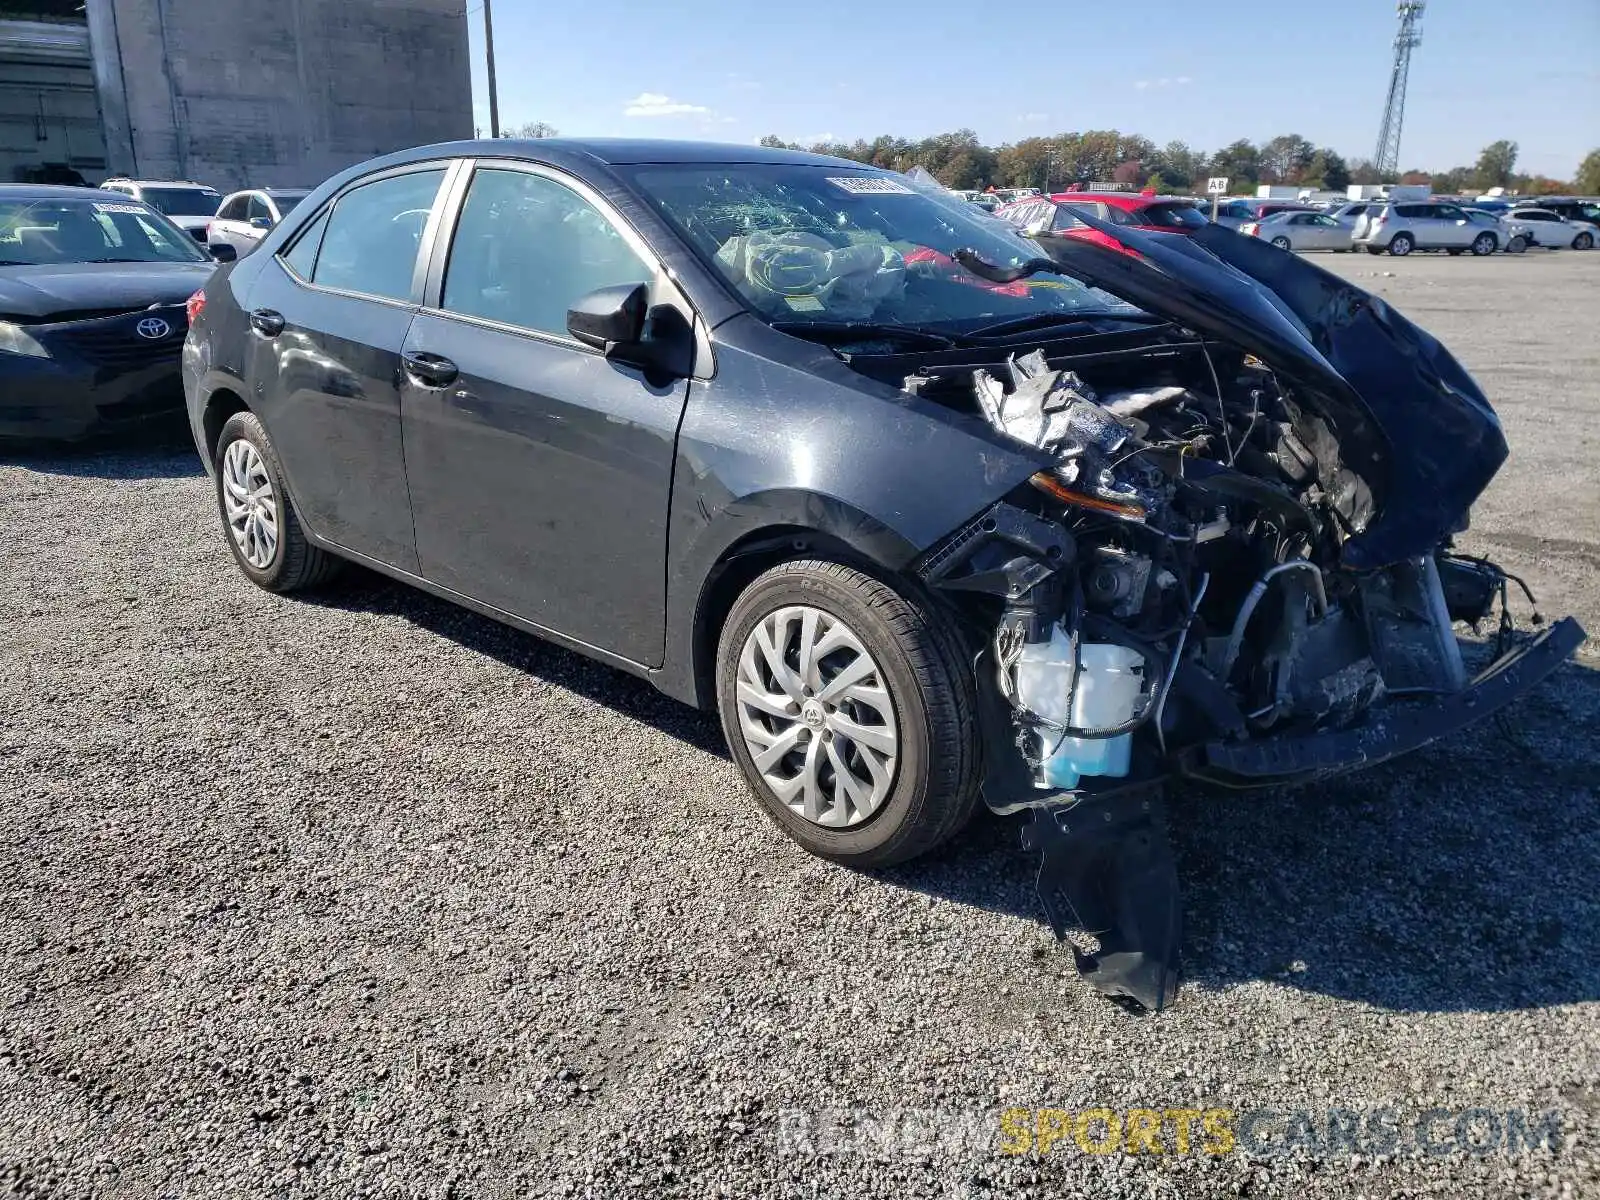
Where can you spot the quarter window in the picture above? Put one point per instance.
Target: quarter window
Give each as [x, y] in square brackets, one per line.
[372, 237]
[302, 256]
[258, 208]
[527, 248]
[234, 209]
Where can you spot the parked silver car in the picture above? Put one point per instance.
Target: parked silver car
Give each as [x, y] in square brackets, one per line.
[244, 218]
[1430, 225]
[1515, 237]
[1551, 229]
[1301, 231]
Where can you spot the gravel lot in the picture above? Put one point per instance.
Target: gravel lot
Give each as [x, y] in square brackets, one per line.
[366, 896]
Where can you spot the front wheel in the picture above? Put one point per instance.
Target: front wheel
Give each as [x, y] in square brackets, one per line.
[1401, 245]
[1517, 245]
[263, 531]
[1483, 244]
[851, 711]
[1584, 241]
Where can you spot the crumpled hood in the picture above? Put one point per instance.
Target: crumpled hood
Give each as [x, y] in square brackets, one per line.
[1397, 411]
[58, 291]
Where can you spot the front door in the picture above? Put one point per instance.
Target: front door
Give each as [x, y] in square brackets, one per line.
[540, 471]
[328, 318]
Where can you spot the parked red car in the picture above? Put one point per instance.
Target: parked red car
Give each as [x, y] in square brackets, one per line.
[1054, 214]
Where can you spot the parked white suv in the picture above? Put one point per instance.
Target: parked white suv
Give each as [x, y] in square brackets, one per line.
[1430, 225]
[1551, 229]
[188, 205]
[246, 217]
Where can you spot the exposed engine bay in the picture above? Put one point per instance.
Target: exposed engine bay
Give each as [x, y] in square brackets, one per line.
[1169, 599]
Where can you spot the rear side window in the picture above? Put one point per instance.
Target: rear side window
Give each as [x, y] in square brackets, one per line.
[1172, 216]
[527, 248]
[259, 209]
[373, 234]
[1414, 212]
[234, 209]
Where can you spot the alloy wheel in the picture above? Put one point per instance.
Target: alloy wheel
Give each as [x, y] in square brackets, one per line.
[1484, 244]
[250, 504]
[1583, 241]
[1401, 246]
[816, 717]
[1282, 243]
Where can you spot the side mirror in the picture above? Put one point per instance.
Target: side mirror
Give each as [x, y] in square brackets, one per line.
[610, 317]
[223, 252]
[261, 223]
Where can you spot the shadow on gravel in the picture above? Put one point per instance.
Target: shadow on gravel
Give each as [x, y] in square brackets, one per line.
[163, 450]
[367, 591]
[1460, 879]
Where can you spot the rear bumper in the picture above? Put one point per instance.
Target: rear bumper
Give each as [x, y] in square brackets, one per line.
[1389, 731]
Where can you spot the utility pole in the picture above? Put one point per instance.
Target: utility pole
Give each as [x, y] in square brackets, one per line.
[494, 91]
[1387, 157]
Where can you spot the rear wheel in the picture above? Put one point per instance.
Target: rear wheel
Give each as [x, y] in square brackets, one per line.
[851, 711]
[263, 531]
[1584, 241]
[1401, 245]
[1282, 243]
[1484, 243]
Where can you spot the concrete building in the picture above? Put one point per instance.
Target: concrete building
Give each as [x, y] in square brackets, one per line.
[226, 92]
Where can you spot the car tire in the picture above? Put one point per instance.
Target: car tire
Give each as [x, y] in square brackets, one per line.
[1374, 249]
[1584, 241]
[1485, 243]
[1283, 243]
[1517, 245]
[922, 794]
[1456, 253]
[258, 517]
[1401, 245]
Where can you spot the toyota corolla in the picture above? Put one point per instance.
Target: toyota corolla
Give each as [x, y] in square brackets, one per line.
[932, 516]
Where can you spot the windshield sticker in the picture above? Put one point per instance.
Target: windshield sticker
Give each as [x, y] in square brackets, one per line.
[137, 210]
[870, 185]
[804, 303]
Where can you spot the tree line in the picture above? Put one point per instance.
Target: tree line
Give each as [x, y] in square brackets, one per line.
[960, 160]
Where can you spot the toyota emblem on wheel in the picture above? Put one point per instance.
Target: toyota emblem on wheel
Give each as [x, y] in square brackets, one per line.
[153, 328]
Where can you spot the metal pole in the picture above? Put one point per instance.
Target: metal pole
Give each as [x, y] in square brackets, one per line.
[494, 93]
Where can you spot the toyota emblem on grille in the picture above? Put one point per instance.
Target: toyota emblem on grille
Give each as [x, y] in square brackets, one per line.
[153, 328]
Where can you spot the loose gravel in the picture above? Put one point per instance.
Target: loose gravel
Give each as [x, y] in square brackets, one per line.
[366, 896]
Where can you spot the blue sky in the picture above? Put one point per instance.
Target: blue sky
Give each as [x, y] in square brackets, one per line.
[1206, 73]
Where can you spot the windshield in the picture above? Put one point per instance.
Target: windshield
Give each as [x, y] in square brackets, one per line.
[287, 202]
[182, 202]
[73, 231]
[827, 244]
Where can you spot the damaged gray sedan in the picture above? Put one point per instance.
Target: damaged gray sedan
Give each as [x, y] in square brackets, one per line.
[935, 515]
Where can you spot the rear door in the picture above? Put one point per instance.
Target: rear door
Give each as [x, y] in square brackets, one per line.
[329, 317]
[540, 471]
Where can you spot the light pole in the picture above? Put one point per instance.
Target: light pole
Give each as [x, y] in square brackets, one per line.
[494, 91]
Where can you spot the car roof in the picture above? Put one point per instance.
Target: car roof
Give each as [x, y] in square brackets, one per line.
[626, 151]
[1118, 199]
[49, 191]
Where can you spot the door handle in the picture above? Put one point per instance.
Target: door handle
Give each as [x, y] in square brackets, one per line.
[430, 370]
[266, 322]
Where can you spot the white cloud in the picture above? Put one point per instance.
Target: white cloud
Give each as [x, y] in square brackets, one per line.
[1181, 79]
[654, 104]
[1033, 118]
[811, 139]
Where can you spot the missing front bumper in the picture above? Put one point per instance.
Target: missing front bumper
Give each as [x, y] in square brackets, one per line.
[1390, 732]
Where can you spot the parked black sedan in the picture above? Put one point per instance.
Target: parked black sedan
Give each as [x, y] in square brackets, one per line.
[924, 513]
[93, 288]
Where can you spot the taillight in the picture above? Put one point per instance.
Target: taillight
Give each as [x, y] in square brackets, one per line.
[1250, 227]
[196, 306]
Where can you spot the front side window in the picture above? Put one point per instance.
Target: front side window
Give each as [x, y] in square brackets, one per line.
[527, 248]
[116, 229]
[801, 243]
[374, 233]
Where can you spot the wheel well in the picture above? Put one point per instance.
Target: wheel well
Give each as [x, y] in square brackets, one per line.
[222, 405]
[739, 565]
